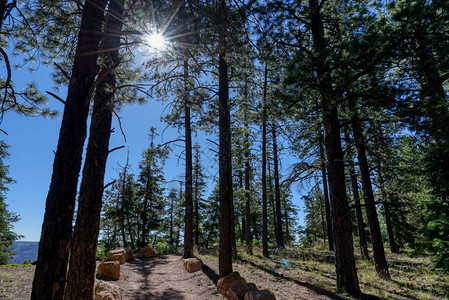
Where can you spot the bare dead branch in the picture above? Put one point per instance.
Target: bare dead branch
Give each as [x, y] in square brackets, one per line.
[66, 75]
[116, 148]
[120, 124]
[56, 97]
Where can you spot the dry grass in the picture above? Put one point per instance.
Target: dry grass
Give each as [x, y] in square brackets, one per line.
[411, 278]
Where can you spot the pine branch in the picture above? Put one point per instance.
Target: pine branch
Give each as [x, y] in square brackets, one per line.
[56, 97]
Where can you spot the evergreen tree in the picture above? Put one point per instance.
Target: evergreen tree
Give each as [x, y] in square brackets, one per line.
[150, 190]
[50, 276]
[199, 205]
[7, 218]
[81, 275]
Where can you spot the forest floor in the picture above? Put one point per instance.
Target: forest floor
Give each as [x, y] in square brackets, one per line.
[293, 274]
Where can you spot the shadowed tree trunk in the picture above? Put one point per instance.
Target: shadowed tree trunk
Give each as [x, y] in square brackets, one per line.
[277, 191]
[227, 238]
[188, 230]
[54, 246]
[344, 252]
[380, 262]
[358, 208]
[330, 235]
[81, 275]
[249, 238]
[264, 168]
[287, 229]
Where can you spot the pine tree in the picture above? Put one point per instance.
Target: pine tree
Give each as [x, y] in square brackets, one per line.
[150, 191]
[81, 275]
[199, 187]
[7, 218]
[50, 276]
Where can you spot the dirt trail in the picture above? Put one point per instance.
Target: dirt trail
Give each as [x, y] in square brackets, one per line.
[164, 278]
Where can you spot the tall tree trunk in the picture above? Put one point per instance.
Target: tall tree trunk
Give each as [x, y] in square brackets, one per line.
[277, 191]
[225, 165]
[344, 250]
[248, 235]
[273, 206]
[81, 275]
[380, 261]
[287, 229]
[54, 246]
[379, 140]
[122, 200]
[2, 11]
[144, 217]
[188, 229]
[264, 168]
[330, 235]
[358, 208]
[196, 212]
[172, 207]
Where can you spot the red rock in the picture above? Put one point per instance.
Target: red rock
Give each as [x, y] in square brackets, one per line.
[259, 295]
[147, 252]
[193, 264]
[225, 282]
[237, 291]
[109, 269]
[107, 291]
[117, 255]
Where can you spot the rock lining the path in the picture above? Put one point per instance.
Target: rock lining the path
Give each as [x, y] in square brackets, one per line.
[193, 264]
[109, 269]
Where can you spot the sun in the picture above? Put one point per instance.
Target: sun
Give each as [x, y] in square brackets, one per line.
[156, 41]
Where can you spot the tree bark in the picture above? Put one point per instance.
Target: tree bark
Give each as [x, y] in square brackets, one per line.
[277, 191]
[54, 246]
[344, 252]
[248, 235]
[380, 261]
[330, 235]
[358, 208]
[196, 202]
[225, 163]
[264, 168]
[188, 229]
[387, 214]
[81, 275]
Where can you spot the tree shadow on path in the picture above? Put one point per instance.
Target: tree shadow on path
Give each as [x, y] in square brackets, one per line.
[312, 287]
[148, 289]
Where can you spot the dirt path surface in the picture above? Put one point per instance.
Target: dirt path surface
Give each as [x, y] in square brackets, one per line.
[164, 278]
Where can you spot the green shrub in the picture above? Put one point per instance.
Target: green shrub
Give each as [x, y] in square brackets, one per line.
[164, 248]
[101, 253]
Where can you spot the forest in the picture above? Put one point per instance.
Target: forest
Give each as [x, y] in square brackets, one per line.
[352, 95]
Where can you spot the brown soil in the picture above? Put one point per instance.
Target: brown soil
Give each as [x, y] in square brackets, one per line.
[16, 282]
[164, 277]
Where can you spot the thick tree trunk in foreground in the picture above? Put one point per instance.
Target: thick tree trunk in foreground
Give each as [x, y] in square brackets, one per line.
[380, 261]
[277, 191]
[188, 230]
[225, 163]
[54, 246]
[344, 252]
[264, 170]
[81, 276]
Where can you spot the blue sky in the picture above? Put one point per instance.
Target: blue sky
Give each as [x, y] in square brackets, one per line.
[32, 141]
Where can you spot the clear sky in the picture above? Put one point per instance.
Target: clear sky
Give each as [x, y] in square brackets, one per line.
[33, 141]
